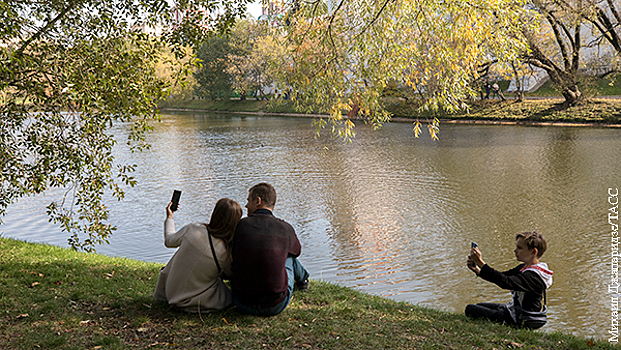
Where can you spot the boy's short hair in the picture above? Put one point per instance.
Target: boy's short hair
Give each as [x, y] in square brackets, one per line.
[534, 240]
[267, 193]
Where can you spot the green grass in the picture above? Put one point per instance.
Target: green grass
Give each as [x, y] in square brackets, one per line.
[250, 105]
[54, 298]
[608, 86]
[594, 110]
[545, 110]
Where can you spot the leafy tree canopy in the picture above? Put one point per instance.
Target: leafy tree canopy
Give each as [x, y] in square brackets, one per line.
[69, 70]
[212, 78]
[343, 59]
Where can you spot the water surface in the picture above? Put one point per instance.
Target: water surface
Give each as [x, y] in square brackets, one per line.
[389, 214]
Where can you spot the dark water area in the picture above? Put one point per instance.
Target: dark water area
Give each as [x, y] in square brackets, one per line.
[389, 214]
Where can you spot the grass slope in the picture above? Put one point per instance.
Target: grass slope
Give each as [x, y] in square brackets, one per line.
[55, 298]
[544, 110]
[601, 110]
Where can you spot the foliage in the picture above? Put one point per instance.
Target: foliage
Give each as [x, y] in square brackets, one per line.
[182, 85]
[212, 79]
[342, 61]
[251, 63]
[69, 70]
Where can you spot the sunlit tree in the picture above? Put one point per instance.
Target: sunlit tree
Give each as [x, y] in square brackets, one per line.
[556, 47]
[212, 79]
[342, 60]
[71, 69]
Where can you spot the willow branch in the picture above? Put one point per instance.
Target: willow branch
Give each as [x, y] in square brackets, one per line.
[44, 29]
[374, 18]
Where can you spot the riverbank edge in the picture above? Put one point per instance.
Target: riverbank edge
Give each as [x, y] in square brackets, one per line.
[474, 120]
[58, 298]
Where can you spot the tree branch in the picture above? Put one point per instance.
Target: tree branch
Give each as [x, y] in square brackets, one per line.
[559, 40]
[615, 13]
[610, 33]
[386, 2]
[42, 30]
[576, 45]
[332, 20]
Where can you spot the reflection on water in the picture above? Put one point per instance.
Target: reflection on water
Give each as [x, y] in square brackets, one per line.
[389, 214]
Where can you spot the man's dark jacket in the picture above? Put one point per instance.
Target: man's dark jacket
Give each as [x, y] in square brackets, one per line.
[261, 246]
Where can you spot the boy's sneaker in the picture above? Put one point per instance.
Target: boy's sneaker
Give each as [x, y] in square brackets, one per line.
[302, 286]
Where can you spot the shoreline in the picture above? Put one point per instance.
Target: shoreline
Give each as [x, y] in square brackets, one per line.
[59, 298]
[465, 120]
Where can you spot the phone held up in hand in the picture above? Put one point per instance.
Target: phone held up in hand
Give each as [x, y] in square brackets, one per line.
[473, 245]
[175, 200]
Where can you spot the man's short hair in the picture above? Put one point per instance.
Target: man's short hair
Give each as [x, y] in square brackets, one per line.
[266, 192]
[534, 240]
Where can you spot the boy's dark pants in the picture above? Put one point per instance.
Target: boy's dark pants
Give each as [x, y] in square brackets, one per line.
[495, 312]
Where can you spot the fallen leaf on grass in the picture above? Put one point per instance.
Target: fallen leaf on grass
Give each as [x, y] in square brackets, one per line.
[85, 322]
[517, 345]
[590, 343]
[108, 275]
[142, 329]
[19, 317]
[34, 284]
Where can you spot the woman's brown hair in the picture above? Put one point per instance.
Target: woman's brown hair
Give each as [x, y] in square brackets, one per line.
[224, 220]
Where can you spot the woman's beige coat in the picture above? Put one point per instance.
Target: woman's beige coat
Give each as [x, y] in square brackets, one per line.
[190, 279]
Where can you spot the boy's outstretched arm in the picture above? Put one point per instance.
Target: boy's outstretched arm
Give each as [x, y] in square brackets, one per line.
[527, 281]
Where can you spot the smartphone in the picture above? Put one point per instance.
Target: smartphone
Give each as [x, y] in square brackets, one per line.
[473, 245]
[175, 200]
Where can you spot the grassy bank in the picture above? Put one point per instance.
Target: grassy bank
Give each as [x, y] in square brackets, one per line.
[224, 105]
[540, 110]
[544, 110]
[54, 298]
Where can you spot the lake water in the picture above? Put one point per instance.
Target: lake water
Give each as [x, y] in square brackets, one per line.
[389, 214]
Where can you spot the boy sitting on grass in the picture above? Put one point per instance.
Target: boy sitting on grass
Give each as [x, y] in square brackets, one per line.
[527, 282]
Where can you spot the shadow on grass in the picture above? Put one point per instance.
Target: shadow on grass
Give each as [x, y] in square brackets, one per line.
[55, 298]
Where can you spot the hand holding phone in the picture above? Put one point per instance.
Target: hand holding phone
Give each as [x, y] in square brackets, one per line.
[175, 200]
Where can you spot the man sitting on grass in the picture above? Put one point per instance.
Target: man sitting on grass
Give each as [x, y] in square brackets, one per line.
[265, 265]
[527, 282]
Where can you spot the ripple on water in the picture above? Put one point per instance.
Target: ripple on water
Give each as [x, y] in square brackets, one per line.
[388, 214]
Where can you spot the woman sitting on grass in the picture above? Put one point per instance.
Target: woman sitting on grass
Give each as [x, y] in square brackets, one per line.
[191, 280]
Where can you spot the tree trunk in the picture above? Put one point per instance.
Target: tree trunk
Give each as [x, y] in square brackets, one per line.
[519, 91]
[563, 80]
[572, 95]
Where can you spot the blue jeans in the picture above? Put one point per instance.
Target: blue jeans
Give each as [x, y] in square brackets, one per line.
[295, 273]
